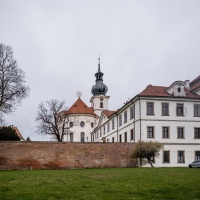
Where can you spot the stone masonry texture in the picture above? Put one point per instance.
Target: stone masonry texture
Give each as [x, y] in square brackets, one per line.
[65, 155]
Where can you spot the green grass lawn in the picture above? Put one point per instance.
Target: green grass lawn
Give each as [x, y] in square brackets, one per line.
[118, 183]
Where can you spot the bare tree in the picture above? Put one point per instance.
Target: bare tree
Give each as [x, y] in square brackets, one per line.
[52, 119]
[12, 88]
[147, 150]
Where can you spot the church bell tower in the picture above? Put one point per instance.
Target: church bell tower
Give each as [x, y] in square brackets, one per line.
[99, 99]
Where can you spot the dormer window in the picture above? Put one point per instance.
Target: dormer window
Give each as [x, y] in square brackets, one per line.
[176, 89]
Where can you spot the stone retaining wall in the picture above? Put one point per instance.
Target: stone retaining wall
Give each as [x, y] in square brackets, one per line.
[54, 155]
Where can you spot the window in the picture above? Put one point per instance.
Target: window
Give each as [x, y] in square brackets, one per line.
[180, 132]
[100, 132]
[108, 126]
[166, 156]
[131, 134]
[97, 134]
[113, 124]
[150, 132]
[125, 116]
[92, 125]
[179, 89]
[101, 104]
[197, 133]
[181, 157]
[82, 137]
[120, 138]
[196, 110]
[82, 124]
[179, 109]
[150, 108]
[125, 137]
[165, 109]
[71, 124]
[197, 155]
[71, 137]
[165, 132]
[113, 139]
[104, 130]
[132, 111]
[120, 120]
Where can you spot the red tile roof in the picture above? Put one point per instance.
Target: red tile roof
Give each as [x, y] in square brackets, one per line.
[160, 91]
[108, 113]
[18, 133]
[79, 107]
[195, 83]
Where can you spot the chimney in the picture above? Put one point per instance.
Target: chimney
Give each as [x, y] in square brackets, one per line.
[187, 84]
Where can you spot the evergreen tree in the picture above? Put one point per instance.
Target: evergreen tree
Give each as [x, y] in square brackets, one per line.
[7, 133]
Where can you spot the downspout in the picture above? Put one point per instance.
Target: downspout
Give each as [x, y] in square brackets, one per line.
[134, 123]
[140, 119]
[140, 126]
[117, 129]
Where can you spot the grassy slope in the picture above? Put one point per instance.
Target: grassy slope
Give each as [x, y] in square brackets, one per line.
[119, 183]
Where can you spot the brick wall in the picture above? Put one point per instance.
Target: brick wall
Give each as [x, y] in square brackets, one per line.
[54, 155]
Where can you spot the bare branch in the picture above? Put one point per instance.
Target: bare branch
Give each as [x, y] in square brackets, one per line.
[52, 119]
[12, 90]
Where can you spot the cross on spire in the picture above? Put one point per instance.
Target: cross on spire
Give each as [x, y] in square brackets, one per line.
[99, 64]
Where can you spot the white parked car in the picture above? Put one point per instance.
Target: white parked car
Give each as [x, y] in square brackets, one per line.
[196, 164]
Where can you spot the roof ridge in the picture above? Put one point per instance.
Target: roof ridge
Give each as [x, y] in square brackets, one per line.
[80, 107]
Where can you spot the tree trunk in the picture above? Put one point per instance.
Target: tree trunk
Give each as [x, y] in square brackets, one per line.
[150, 162]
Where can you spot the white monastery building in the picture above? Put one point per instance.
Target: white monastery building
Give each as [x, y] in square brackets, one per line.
[170, 115]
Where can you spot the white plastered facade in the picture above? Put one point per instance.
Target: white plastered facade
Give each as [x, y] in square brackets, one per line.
[122, 127]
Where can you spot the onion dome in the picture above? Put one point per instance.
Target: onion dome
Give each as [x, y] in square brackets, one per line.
[99, 88]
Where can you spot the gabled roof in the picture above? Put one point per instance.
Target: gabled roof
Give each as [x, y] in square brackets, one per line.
[108, 113]
[18, 133]
[79, 107]
[160, 91]
[195, 83]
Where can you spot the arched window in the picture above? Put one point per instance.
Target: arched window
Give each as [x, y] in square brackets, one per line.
[71, 124]
[71, 137]
[179, 89]
[82, 137]
[82, 124]
[92, 124]
[101, 104]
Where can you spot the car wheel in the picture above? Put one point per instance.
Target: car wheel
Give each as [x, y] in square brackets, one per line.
[190, 166]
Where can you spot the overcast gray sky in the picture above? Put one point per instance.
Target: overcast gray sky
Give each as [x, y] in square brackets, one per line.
[57, 44]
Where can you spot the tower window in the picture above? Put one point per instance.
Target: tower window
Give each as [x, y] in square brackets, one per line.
[179, 89]
[101, 104]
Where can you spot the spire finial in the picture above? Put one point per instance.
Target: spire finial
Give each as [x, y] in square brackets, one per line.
[99, 64]
[79, 94]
